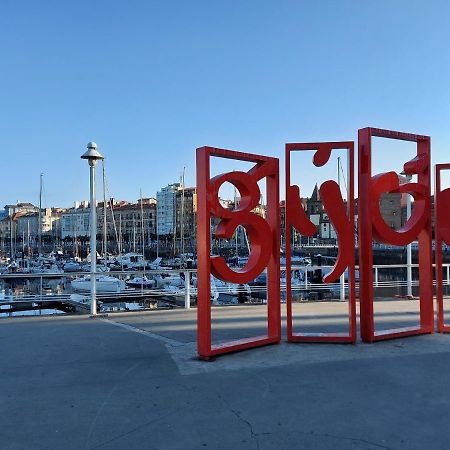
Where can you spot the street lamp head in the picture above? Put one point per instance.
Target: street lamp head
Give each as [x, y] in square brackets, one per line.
[92, 155]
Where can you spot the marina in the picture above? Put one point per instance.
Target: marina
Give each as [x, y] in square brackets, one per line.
[68, 293]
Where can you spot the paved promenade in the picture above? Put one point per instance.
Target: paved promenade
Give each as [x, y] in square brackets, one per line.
[132, 381]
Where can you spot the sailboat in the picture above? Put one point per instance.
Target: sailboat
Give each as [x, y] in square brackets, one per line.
[105, 283]
[86, 267]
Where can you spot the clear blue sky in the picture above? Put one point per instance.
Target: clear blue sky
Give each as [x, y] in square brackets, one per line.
[151, 81]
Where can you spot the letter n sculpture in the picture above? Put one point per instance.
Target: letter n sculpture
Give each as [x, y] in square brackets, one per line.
[263, 236]
[373, 227]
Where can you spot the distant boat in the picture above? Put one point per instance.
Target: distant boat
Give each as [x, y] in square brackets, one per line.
[25, 266]
[132, 260]
[224, 293]
[100, 268]
[104, 284]
[48, 271]
[169, 280]
[72, 266]
[156, 264]
[141, 282]
[296, 261]
[229, 293]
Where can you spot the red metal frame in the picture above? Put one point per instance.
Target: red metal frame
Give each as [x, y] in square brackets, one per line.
[263, 235]
[343, 221]
[442, 235]
[372, 225]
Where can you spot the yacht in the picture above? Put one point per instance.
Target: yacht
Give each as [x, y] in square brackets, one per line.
[141, 282]
[132, 260]
[163, 280]
[224, 293]
[104, 283]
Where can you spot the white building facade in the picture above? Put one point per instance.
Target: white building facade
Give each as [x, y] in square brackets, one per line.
[327, 230]
[75, 223]
[166, 209]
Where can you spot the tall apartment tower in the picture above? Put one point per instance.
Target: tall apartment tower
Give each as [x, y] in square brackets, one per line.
[166, 209]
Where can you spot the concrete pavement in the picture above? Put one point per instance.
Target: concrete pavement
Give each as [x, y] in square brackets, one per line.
[132, 381]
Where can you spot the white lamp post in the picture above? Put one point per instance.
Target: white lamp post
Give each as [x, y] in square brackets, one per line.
[92, 156]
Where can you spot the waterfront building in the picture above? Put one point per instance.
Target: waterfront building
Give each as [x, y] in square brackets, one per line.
[260, 210]
[132, 224]
[75, 221]
[314, 208]
[240, 238]
[113, 217]
[166, 209]
[19, 207]
[391, 209]
[176, 217]
[23, 226]
[326, 229]
[295, 235]
[124, 224]
[7, 230]
[283, 224]
[28, 223]
[185, 219]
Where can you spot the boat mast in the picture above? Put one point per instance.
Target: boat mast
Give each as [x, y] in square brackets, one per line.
[174, 231]
[157, 233]
[15, 239]
[116, 234]
[120, 233]
[105, 240]
[182, 211]
[142, 224]
[134, 233]
[40, 217]
[11, 238]
[28, 237]
[339, 171]
[74, 249]
[111, 207]
[75, 244]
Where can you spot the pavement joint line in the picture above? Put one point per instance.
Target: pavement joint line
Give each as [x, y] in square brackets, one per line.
[287, 354]
[167, 341]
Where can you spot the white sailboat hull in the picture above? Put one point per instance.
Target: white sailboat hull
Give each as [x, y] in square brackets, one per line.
[104, 284]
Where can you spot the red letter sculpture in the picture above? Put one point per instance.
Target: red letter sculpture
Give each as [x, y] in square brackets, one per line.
[372, 226]
[341, 216]
[442, 236]
[263, 236]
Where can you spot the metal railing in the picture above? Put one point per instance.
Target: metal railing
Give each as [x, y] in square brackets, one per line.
[183, 292]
